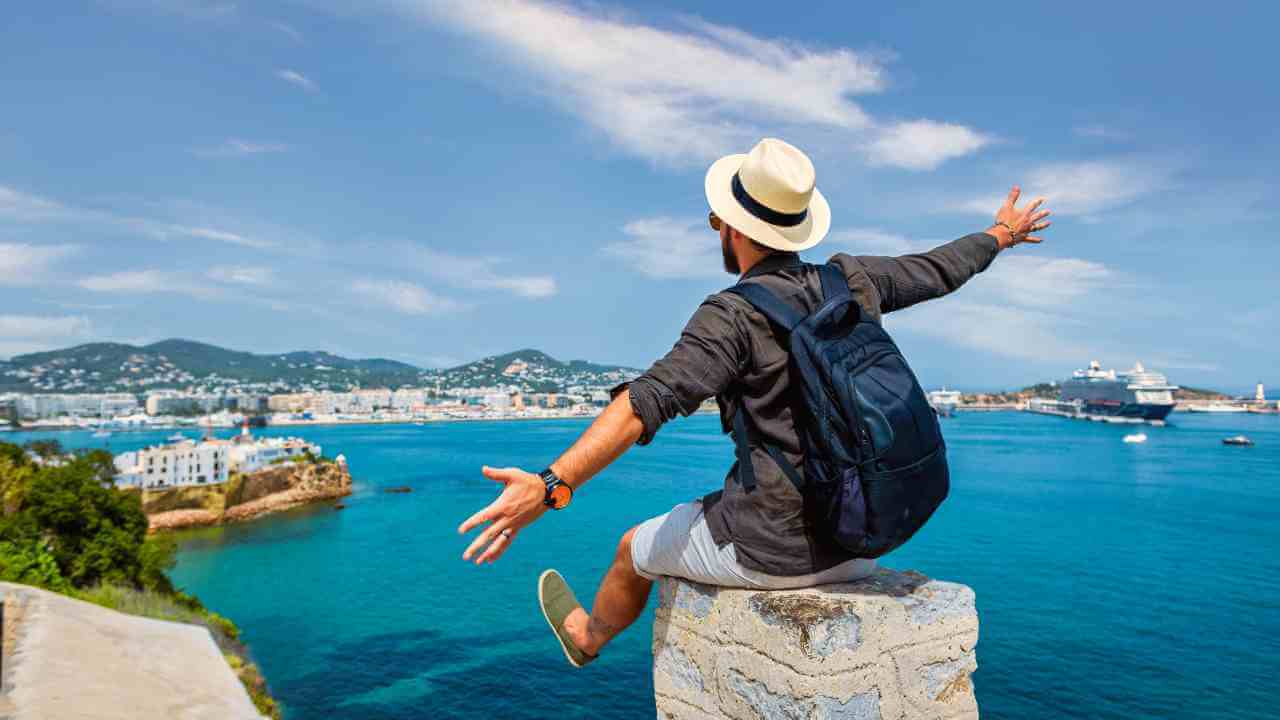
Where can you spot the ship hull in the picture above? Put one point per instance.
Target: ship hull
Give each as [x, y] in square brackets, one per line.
[1136, 411]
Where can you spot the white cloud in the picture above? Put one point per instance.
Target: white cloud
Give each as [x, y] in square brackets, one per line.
[480, 273]
[237, 147]
[872, 241]
[685, 96]
[134, 281]
[204, 233]
[31, 333]
[294, 77]
[242, 275]
[663, 247]
[31, 208]
[1084, 188]
[1044, 281]
[404, 297]
[287, 29]
[26, 264]
[1004, 330]
[21, 206]
[150, 281]
[923, 144]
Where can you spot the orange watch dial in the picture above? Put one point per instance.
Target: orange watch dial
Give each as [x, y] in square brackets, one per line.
[560, 496]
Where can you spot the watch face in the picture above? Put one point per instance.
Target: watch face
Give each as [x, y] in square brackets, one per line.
[560, 496]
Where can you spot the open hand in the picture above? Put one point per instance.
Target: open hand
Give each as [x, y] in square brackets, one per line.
[1014, 225]
[520, 503]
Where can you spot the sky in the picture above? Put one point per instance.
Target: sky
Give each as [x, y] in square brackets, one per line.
[436, 181]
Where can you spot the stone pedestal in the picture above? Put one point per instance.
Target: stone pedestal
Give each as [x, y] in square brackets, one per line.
[895, 645]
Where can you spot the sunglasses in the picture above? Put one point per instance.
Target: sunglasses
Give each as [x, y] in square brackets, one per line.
[714, 219]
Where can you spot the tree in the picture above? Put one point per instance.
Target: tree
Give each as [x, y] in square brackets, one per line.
[73, 514]
[46, 449]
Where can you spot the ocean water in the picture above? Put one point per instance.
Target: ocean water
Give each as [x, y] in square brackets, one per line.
[1113, 580]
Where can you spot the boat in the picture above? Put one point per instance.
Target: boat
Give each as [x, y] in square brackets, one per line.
[102, 433]
[1217, 407]
[176, 437]
[1239, 440]
[944, 401]
[1135, 438]
[1137, 395]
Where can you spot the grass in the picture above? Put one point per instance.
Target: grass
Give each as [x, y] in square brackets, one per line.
[186, 609]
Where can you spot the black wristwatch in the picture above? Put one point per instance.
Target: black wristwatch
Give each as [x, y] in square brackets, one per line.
[558, 493]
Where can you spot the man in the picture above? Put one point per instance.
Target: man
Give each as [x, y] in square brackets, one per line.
[766, 208]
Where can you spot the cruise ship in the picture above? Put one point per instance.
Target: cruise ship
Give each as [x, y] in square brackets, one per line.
[944, 401]
[1134, 396]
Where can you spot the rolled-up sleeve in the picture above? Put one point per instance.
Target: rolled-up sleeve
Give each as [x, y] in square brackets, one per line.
[711, 353]
[904, 281]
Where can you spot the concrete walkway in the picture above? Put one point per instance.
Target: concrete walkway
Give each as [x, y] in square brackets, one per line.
[64, 659]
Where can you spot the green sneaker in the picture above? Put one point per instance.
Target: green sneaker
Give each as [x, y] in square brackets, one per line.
[557, 601]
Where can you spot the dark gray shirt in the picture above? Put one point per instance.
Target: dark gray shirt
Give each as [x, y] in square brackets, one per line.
[730, 351]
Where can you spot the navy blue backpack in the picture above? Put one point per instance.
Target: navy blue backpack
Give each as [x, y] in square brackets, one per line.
[875, 465]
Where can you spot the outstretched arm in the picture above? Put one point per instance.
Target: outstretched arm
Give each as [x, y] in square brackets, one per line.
[909, 279]
[704, 361]
[609, 435]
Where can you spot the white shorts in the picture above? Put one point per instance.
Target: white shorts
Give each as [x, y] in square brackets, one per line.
[679, 544]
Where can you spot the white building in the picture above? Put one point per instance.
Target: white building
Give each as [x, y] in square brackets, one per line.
[44, 406]
[180, 464]
[249, 454]
[207, 462]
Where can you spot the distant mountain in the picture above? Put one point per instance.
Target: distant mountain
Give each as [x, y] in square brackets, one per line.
[531, 371]
[117, 367]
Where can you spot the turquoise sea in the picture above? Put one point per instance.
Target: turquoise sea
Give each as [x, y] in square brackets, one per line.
[1113, 580]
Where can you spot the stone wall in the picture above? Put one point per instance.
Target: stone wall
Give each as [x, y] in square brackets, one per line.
[896, 645]
[65, 659]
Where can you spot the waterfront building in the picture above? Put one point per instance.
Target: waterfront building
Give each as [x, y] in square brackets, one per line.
[180, 464]
[249, 454]
[207, 462]
[51, 405]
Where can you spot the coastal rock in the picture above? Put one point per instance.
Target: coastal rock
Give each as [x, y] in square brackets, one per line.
[894, 645]
[244, 497]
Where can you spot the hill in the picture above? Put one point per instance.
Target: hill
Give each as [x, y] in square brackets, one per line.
[186, 364]
[531, 371]
[117, 367]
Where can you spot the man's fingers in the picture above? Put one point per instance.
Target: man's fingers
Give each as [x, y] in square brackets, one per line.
[497, 548]
[479, 518]
[1039, 216]
[1031, 239]
[1039, 226]
[1012, 200]
[1034, 204]
[502, 475]
[486, 537]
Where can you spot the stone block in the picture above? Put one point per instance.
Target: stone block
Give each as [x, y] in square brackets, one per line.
[895, 645]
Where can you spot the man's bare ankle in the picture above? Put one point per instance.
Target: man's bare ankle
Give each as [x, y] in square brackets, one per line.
[575, 624]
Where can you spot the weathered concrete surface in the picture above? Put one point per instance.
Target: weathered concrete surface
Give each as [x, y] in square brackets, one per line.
[70, 660]
[894, 646]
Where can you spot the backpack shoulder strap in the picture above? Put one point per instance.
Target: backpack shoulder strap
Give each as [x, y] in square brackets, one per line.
[834, 283]
[771, 306]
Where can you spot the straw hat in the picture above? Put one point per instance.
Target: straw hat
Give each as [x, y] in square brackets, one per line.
[769, 196]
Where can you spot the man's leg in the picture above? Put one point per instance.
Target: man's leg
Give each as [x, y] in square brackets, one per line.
[621, 598]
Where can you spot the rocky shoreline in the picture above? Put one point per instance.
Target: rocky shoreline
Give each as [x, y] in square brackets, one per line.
[246, 497]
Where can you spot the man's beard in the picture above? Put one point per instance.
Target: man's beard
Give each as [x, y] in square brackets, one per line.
[731, 265]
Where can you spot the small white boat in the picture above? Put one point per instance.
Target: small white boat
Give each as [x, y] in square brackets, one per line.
[1136, 438]
[176, 437]
[1240, 440]
[102, 433]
